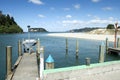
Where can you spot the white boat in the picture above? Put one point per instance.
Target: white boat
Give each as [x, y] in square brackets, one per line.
[29, 44]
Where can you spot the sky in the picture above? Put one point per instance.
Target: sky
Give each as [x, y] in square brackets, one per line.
[62, 15]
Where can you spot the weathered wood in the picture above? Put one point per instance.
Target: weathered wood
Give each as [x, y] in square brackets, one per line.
[38, 46]
[17, 62]
[77, 47]
[107, 45]
[9, 77]
[116, 50]
[87, 61]
[101, 52]
[19, 48]
[8, 60]
[118, 43]
[67, 44]
[49, 62]
[27, 68]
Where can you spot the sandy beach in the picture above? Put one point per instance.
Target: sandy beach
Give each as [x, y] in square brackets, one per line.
[84, 36]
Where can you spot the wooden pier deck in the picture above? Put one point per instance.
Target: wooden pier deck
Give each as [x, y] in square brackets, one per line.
[114, 50]
[27, 69]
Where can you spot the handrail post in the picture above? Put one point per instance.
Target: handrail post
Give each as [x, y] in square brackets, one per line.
[41, 62]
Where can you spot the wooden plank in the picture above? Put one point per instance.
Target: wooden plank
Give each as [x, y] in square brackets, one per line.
[115, 51]
[17, 62]
[27, 68]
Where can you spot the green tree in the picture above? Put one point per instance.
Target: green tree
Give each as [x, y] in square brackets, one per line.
[110, 26]
[8, 24]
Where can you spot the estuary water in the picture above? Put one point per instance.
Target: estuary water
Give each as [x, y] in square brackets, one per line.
[56, 46]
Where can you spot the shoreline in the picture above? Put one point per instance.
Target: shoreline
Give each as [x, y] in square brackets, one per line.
[84, 36]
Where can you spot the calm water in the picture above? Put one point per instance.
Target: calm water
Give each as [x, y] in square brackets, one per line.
[54, 46]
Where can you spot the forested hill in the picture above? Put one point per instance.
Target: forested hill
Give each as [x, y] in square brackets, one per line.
[8, 24]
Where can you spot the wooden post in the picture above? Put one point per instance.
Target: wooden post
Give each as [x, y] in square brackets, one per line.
[101, 52]
[41, 62]
[38, 46]
[49, 62]
[8, 60]
[19, 48]
[118, 42]
[38, 53]
[116, 30]
[107, 45]
[77, 48]
[66, 44]
[87, 61]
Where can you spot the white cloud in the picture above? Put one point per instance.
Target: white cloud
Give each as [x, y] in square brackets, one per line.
[107, 8]
[89, 15]
[66, 9]
[95, 1]
[77, 6]
[93, 22]
[41, 16]
[111, 18]
[68, 16]
[72, 22]
[36, 2]
[52, 8]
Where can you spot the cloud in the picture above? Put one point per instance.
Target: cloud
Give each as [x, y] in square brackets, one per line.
[89, 15]
[41, 16]
[95, 1]
[52, 8]
[39, 2]
[72, 22]
[93, 22]
[66, 9]
[107, 8]
[111, 18]
[93, 16]
[77, 6]
[68, 16]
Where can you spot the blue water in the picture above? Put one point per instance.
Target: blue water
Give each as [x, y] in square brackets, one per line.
[54, 46]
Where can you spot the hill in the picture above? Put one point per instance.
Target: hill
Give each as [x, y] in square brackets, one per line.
[37, 30]
[87, 29]
[8, 24]
[104, 31]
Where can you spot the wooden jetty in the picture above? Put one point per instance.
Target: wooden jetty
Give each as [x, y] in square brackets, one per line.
[28, 66]
[113, 50]
[27, 69]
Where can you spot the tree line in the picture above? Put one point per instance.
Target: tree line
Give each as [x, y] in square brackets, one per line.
[8, 24]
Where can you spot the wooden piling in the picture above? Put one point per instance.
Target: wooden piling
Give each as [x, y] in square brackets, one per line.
[107, 45]
[49, 62]
[19, 48]
[118, 42]
[38, 46]
[101, 53]
[8, 60]
[87, 61]
[77, 48]
[66, 44]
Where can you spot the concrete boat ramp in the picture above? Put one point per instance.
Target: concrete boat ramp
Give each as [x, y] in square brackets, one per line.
[27, 69]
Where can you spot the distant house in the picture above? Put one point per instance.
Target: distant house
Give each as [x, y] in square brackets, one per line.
[37, 30]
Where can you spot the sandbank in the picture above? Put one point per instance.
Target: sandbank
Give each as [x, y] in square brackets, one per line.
[84, 36]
